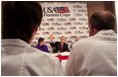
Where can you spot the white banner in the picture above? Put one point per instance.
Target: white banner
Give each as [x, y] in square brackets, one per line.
[69, 19]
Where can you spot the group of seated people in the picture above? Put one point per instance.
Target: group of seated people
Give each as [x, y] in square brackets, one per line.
[92, 56]
[56, 46]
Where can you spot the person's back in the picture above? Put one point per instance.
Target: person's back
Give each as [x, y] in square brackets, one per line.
[96, 55]
[20, 21]
[102, 54]
[19, 59]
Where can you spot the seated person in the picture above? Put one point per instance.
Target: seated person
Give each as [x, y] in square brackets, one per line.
[76, 39]
[97, 54]
[41, 45]
[20, 22]
[59, 46]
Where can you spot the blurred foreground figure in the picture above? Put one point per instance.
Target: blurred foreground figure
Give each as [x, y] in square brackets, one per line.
[96, 55]
[20, 21]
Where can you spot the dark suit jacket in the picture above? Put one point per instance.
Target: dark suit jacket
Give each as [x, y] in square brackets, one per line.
[56, 47]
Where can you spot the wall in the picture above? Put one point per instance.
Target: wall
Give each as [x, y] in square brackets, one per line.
[92, 6]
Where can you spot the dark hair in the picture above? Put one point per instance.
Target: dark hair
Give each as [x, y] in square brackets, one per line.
[103, 20]
[40, 40]
[19, 18]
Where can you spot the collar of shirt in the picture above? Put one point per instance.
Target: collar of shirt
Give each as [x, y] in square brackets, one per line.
[106, 35]
[15, 42]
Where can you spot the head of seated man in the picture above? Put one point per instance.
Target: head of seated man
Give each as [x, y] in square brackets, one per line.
[62, 39]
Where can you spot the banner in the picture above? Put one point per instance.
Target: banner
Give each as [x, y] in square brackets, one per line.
[69, 19]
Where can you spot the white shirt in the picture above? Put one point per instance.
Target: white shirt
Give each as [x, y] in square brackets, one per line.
[18, 58]
[96, 55]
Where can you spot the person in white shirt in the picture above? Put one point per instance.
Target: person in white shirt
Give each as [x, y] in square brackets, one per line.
[20, 20]
[96, 55]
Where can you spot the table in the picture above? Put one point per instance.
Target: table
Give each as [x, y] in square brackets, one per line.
[63, 57]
